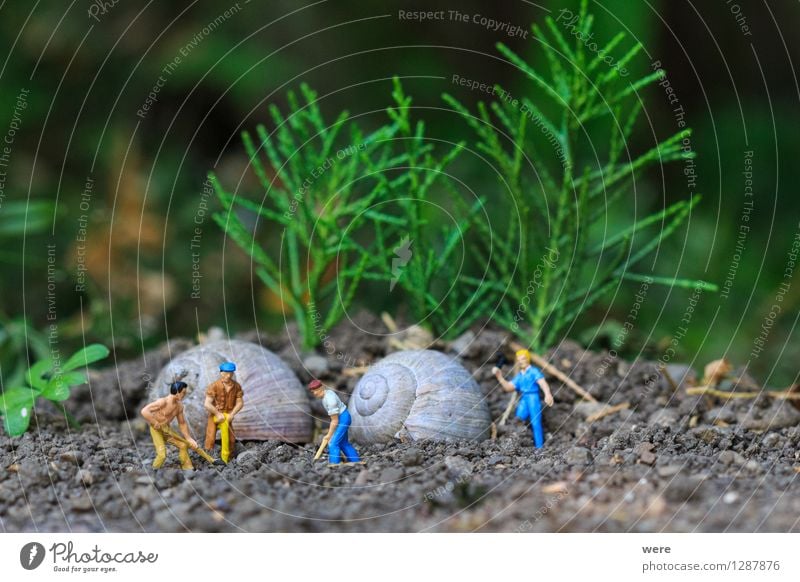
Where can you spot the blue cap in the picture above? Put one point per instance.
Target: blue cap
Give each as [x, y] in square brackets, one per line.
[227, 367]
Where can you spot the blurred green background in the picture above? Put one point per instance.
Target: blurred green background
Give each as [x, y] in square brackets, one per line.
[110, 148]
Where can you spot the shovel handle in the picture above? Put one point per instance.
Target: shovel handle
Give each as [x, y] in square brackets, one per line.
[321, 448]
[168, 431]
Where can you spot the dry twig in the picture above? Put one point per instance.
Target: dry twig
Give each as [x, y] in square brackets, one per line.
[355, 371]
[664, 372]
[711, 391]
[555, 487]
[511, 402]
[716, 371]
[607, 411]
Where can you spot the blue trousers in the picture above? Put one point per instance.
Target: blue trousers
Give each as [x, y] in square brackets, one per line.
[529, 409]
[339, 443]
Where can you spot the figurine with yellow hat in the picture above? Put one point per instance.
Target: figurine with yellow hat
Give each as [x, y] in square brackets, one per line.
[528, 381]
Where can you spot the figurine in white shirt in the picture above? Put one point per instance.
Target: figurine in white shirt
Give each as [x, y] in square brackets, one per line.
[340, 423]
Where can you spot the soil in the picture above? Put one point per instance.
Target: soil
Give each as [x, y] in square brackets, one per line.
[670, 462]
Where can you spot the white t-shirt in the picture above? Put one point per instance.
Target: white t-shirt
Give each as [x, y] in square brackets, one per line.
[332, 403]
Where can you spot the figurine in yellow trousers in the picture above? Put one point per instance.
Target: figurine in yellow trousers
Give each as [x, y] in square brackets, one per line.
[159, 414]
[224, 400]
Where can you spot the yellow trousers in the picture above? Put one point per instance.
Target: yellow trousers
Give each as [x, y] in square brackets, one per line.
[160, 443]
[226, 436]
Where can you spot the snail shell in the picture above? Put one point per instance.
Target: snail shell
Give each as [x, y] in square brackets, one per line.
[419, 393]
[276, 405]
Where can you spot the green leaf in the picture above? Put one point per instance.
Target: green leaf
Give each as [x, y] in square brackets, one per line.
[672, 282]
[17, 407]
[255, 161]
[35, 374]
[234, 228]
[556, 69]
[523, 66]
[666, 230]
[25, 217]
[58, 387]
[620, 36]
[605, 107]
[638, 226]
[88, 355]
[16, 397]
[614, 71]
[16, 422]
[560, 40]
[261, 210]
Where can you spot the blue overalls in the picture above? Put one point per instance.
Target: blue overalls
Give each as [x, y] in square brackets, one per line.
[529, 408]
[339, 443]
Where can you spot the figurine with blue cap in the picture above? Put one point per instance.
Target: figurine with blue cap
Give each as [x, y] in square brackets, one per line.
[224, 400]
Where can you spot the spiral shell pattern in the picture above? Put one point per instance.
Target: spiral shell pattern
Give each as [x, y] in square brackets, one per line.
[276, 406]
[423, 394]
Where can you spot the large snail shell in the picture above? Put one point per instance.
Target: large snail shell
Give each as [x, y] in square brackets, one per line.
[276, 406]
[420, 393]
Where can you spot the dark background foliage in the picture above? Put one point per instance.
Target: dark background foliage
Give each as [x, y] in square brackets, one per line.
[87, 78]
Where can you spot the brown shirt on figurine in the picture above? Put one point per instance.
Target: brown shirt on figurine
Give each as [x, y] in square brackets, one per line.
[225, 396]
[224, 400]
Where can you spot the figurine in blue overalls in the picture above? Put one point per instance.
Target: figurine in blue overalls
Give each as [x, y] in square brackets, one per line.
[527, 382]
[336, 438]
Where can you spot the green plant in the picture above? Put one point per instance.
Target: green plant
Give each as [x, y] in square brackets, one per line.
[426, 237]
[322, 189]
[19, 219]
[18, 339]
[22, 218]
[49, 381]
[558, 256]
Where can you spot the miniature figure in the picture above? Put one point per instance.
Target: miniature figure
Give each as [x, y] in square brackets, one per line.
[336, 438]
[224, 400]
[159, 414]
[527, 382]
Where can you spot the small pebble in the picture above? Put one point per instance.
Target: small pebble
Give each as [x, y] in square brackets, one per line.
[215, 334]
[664, 417]
[316, 365]
[752, 466]
[731, 458]
[645, 453]
[82, 503]
[391, 475]
[72, 457]
[457, 466]
[464, 345]
[730, 497]
[85, 477]
[362, 478]
[770, 440]
[668, 470]
[411, 457]
[578, 456]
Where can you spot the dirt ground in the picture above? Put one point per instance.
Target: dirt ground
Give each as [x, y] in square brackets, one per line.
[671, 462]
